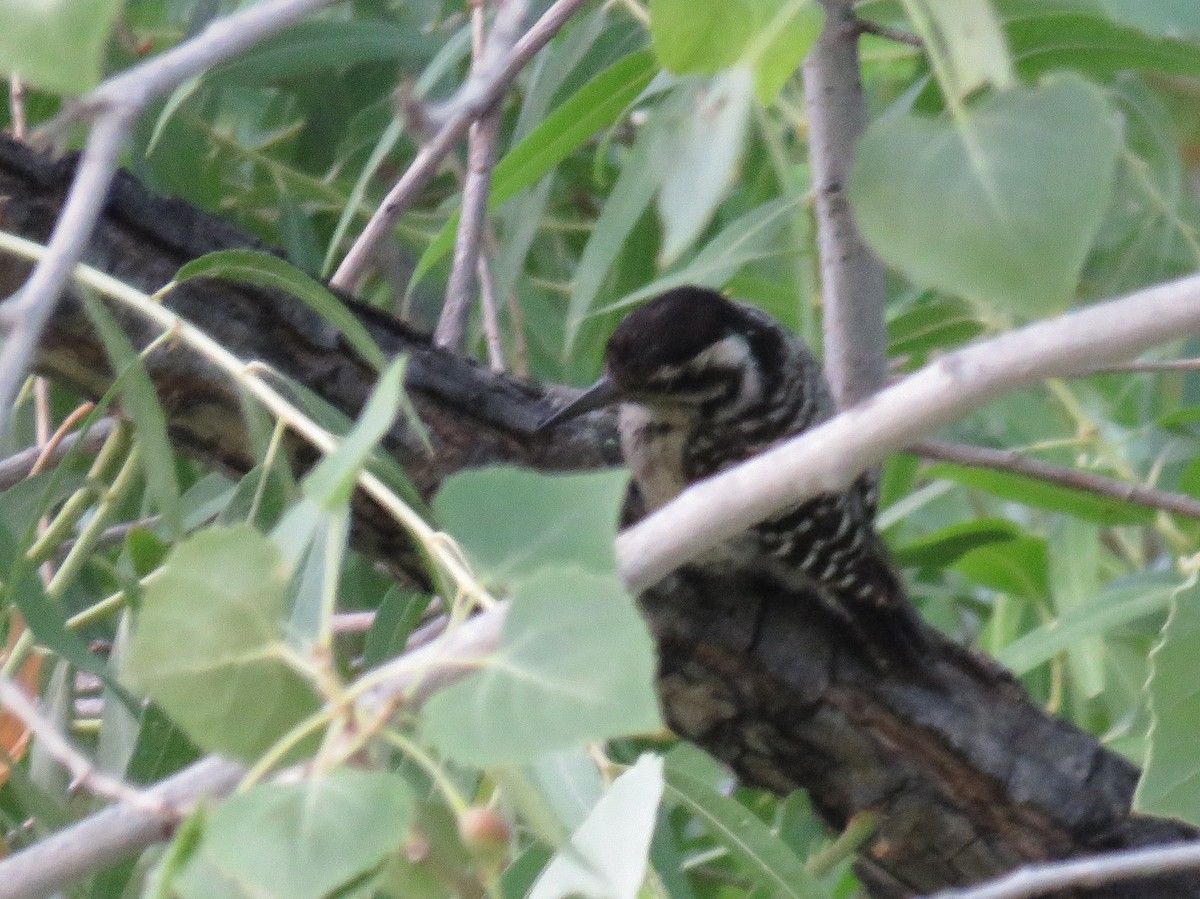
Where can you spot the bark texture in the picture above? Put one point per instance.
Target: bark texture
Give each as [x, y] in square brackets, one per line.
[968, 776]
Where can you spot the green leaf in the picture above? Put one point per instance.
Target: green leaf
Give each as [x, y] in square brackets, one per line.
[748, 238]
[767, 37]
[57, 46]
[761, 854]
[556, 679]
[594, 107]
[1116, 605]
[1170, 784]
[1019, 567]
[1169, 18]
[1074, 581]
[303, 840]
[209, 644]
[1048, 35]
[266, 270]
[1043, 495]
[965, 43]
[331, 483]
[934, 324]
[946, 546]
[641, 174]
[514, 522]
[607, 855]
[1001, 207]
[140, 401]
[707, 151]
[311, 48]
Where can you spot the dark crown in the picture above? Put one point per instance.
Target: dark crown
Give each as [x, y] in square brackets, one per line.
[658, 346]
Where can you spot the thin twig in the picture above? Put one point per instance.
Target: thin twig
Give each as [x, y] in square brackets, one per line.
[83, 772]
[866, 26]
[16, 105]
[472, 101]
[1008, 460]
[829, 457]
[491, 315]
[1042, 880]
[852, 278]
[451, 331]
[1148, 366]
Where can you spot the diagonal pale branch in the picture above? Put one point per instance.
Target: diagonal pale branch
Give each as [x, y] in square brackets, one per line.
[829, 457]
[1097, 870]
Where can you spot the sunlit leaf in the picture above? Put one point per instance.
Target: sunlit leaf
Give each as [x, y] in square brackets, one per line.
[56, 46]
[607, 855]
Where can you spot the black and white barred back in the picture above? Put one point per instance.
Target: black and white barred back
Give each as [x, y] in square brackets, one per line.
[706, 383]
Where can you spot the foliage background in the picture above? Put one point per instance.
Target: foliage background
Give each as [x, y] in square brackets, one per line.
[1044, 156]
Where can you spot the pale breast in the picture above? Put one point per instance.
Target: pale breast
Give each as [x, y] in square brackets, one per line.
[652, 443]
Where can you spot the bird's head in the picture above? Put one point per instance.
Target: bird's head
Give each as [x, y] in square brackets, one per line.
[689, 347]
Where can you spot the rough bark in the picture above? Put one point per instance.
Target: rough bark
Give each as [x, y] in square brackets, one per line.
[969, 777]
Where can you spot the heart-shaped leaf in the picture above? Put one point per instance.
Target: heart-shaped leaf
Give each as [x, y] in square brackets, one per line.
[1000, 207]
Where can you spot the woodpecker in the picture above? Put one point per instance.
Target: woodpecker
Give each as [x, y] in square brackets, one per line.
[705, 383]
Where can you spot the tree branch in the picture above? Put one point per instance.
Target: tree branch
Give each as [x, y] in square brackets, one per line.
[1095, 871]
[1008, 460]
[852, 283]
[477, 96]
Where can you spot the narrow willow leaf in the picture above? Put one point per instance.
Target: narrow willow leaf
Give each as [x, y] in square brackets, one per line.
[1170, 784]
[266, 270]
[761, 854]
[1043, 495]
[641, 174]
[945, 546]
[748, 238]
[1117, 604]
[140, 401]
[1074, 581]
[594, 106]
[607, 855]
[556, 680]
[707, 151]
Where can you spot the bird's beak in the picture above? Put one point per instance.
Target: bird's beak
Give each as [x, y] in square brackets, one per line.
[599, 395]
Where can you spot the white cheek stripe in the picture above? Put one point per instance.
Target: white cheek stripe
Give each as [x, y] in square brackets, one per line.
[733, 352]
